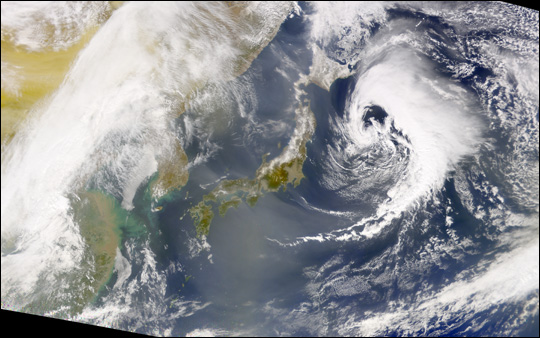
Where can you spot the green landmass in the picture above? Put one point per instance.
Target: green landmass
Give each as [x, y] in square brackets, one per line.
[270, 176]
[172, 172]
[233, 202]
[202, 214]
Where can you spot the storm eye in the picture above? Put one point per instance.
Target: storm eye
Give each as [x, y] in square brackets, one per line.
[374, 113]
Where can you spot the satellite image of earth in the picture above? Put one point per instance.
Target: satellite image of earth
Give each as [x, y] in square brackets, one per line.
[272, 168]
